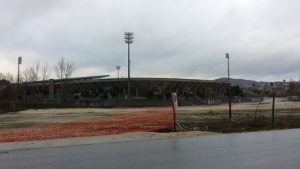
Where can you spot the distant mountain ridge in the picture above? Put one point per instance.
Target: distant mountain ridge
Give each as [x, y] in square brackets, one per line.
[242, 82]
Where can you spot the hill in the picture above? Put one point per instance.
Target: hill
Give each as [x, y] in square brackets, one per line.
[242, 82]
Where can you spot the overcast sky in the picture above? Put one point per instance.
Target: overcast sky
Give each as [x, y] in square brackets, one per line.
[173, 38]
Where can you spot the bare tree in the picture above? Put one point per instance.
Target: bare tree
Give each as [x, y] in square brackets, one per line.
[34, 72]
[2, 76]
[64, 69]
[8, 76]
[26, 74]
[46, 71]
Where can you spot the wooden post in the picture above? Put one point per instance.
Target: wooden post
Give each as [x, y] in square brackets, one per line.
[273, 110]
[175, 106]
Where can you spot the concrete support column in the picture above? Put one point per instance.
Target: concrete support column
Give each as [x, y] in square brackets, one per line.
[51, 89]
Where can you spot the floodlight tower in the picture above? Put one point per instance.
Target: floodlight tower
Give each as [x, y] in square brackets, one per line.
[118, 69]
[128, 39]
[19, 63]
[229, 93]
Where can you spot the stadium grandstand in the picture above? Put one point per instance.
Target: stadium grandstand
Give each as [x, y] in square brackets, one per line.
[101, 89]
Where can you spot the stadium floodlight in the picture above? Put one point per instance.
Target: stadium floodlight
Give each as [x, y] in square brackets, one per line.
[229, 81]
[118, 68]
[19, 63]
[227, 55]
[128, 39]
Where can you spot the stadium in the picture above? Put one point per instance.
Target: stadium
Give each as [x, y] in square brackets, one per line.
[114, 91]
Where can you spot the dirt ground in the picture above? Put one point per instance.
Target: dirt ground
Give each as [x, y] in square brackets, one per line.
[148, 120]
[239, 107]
[49, 116]
[245, 117]
[191, 120]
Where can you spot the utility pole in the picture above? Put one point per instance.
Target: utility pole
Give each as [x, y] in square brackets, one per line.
[229, 95]
[19, 63]
[118, 69]
[273, 107]
[128, 39]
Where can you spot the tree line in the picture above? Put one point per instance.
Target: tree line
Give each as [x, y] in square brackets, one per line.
[36, 72]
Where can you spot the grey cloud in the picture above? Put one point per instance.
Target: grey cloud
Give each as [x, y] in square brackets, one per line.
[186, 38]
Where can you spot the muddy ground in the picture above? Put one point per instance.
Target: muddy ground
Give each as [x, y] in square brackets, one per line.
[49, 116]
[214, 118]
[245, 117]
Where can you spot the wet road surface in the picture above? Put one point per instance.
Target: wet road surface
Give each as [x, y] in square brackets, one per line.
[257, 150]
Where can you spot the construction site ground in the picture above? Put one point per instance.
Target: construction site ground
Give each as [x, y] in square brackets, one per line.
[44, 124]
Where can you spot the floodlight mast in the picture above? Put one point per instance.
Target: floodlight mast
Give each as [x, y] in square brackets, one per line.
[229, 93]
[19, 63]
[128, 39]
[118, 68]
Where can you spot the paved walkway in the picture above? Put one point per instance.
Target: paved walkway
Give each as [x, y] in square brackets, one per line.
[137, 136]
[263, 150]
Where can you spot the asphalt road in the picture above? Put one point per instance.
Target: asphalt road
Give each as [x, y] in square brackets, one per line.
[258, 150]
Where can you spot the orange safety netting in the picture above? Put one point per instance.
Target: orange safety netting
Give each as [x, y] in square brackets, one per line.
[148, 120]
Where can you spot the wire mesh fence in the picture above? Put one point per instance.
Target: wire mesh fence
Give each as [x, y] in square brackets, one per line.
[65, 123]
[245, 117]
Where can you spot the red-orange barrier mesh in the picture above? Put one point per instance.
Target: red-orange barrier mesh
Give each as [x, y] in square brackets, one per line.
[149, 120]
